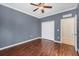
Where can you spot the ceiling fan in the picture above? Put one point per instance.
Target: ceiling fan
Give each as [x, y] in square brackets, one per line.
[40, 6]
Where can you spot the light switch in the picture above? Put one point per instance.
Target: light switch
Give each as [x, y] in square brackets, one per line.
[57, 29]
[58, 37]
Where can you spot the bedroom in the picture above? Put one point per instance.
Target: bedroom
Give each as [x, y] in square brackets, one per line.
[30, 30]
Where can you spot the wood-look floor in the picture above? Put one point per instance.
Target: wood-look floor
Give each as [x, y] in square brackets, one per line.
[40, 47]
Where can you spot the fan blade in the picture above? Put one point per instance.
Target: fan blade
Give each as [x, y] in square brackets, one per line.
[35, 9]
[39, 4]
[42, 11]
[47, 6]
[33, 4]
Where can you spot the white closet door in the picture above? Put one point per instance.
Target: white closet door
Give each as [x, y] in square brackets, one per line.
[48, 30]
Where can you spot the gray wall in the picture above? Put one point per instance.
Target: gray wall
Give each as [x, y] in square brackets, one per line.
[77, 26]
[57, 18]
[17, 27]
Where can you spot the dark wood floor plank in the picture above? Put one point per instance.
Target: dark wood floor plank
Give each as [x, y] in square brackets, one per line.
[40, 47]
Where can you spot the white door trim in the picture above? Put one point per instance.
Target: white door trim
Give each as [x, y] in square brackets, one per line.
[76, 32]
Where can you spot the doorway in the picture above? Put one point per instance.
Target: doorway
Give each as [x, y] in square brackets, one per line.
[69, 31]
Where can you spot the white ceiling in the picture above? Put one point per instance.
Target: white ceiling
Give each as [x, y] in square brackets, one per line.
[28, 9]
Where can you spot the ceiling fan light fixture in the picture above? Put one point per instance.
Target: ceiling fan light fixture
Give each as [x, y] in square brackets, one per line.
[41, 6]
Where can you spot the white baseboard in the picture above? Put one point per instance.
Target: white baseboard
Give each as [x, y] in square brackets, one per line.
[19, 43]
[57, 41]
[26, 42]
[52, 40]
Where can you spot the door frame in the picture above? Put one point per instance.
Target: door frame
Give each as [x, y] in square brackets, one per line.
[74, 30]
